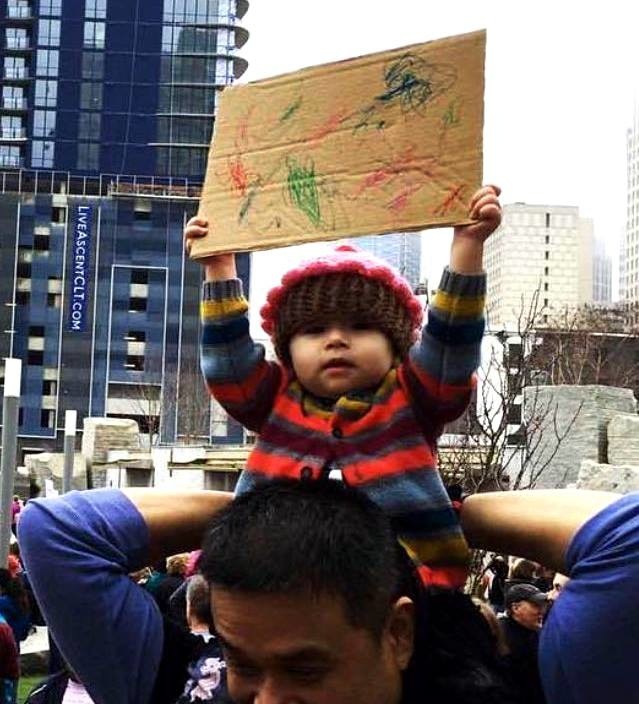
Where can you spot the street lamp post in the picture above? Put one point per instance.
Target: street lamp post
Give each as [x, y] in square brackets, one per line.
[10, 406]
[70, 419]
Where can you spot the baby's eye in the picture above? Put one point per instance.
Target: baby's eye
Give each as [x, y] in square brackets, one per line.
[313, 330]
[362, 326]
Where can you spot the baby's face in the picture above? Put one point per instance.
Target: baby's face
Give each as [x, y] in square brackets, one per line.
[332, 359]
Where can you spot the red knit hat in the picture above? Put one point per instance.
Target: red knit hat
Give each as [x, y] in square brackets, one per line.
[347, 283]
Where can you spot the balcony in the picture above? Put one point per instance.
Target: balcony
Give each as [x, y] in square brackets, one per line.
[19, 13]
[12, 162]
[14, 73]
[18, 44]
[13, 134]
[16, 104]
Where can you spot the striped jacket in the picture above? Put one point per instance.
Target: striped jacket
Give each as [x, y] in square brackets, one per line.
[384, 442]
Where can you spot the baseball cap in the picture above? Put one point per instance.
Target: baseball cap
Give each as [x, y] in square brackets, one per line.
[525, 592]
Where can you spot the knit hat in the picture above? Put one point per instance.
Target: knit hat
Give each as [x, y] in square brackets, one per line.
[346, 284]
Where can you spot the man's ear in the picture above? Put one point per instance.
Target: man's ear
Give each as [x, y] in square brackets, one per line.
[401, 631]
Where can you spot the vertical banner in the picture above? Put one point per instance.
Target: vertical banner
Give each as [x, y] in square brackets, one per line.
[80, 274]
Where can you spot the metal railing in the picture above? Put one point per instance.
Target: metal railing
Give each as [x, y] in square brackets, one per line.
[13, 133]
[114, 185]
[19, 12]
[12, 73]
[18, 43]
[14, 103]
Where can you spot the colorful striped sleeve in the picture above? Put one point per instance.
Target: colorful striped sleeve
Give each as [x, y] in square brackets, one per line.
[439, 375]
[233, 365]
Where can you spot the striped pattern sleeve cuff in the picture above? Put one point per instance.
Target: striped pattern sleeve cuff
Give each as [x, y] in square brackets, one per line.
[222, 300]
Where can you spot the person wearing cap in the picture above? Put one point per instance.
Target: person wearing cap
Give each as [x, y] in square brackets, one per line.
[525, 608]
[358, 386]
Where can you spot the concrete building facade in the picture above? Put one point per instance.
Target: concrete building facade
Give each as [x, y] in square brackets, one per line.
[539, 251]
[629, 265]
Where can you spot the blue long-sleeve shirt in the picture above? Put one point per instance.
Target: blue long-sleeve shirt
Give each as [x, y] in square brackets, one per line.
[79, 549]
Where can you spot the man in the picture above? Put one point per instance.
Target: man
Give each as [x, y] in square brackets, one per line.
[308, 628]
[525, 607]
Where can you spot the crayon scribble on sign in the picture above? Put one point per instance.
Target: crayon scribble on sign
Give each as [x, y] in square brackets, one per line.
[382, 143]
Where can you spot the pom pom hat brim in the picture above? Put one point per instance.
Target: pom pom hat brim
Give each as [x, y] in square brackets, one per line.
[344, 259]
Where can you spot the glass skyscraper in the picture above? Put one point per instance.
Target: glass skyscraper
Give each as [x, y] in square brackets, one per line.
[403, 250]
[106, 114]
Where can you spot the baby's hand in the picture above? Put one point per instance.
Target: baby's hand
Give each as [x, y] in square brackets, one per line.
[486, 210]
[218, 266]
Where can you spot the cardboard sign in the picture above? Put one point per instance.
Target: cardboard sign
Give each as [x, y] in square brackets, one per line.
[382, 143]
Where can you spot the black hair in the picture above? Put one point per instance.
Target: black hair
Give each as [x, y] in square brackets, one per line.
[318, 537]
[13, 588]
[326, 538]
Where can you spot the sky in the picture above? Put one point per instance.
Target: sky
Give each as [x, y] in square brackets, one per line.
[562, 79]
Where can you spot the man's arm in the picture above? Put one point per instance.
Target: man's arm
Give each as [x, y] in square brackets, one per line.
[536, 524]
[589, 642]
[79, 550]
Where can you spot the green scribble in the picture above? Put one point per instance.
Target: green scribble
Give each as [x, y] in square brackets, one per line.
[291, 110]
[302, 189]
[451, 117]
[246, 203]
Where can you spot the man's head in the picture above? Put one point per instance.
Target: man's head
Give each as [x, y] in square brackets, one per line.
[559, 583]
[310, 596]
[526, 604]
[198, 603]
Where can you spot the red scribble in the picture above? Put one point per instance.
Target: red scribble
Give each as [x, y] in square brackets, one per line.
[241, 132]
[448, 203]
[400, 201]
[329, 125]
[239, 176]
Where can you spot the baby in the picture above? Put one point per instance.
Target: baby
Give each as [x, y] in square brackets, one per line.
[358, 387]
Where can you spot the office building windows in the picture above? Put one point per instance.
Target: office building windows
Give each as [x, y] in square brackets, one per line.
[89, 125]
[15, 67]
[49, 32]
[91, 96]
[52, 8]
[16, 38]
[47, 61]
[42, 153]
[46, 93]
[94, 35]
[10, 156]
[44, 123]
[11, 127]
[93, 65]
[95, 8]
[88, 156]
[13, 97]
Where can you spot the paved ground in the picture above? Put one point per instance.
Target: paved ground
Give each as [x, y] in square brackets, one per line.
[37, 642]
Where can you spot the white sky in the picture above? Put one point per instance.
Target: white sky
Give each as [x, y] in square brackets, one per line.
[561, 81]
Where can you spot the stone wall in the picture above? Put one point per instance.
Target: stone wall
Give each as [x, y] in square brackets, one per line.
[101, 435]
[50, 465]
[592, 408]
[607, 477]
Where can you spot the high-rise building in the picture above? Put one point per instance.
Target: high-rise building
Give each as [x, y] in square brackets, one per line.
[542, 254]
[403, 250]
[601, 275]
[629, 269]
[106, 112]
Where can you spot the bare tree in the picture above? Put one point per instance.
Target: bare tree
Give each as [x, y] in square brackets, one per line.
[500, 442]
[589, 346]
[194, 408]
